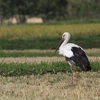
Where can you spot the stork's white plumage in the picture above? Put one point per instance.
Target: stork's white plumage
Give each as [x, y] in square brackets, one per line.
[73, 53]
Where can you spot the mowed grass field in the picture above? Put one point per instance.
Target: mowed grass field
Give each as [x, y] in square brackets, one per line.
[33, 74]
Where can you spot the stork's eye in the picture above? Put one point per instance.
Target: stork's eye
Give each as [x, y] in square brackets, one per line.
[63, 35]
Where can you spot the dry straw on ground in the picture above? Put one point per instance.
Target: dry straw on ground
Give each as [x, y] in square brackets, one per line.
[37, 59]
[50, 87]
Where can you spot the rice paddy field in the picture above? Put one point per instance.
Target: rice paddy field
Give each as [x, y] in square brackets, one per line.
[31, 71]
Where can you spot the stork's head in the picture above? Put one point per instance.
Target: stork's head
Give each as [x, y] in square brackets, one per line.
[65, 36]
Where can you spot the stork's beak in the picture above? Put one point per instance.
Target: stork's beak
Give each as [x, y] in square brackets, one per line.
[61, 41]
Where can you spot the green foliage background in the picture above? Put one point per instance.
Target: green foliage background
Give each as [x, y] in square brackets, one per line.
[49, 9]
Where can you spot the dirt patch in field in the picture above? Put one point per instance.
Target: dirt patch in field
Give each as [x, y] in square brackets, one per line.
[31, 59]
[38, 59]
[92, 50]
[37, 50]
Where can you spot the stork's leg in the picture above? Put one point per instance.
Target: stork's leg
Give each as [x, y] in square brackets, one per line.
[76, 77]
[72, 75]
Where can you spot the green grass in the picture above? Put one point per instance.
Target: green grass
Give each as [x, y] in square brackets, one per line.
[86, 41]
[27, 54]
[37, 54]
[81, 21]
[16, 69]
[32, 43]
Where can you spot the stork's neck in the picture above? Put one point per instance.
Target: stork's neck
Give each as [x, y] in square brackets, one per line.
[65, 42]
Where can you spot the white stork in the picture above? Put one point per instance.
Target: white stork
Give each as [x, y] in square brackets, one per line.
[74, 54]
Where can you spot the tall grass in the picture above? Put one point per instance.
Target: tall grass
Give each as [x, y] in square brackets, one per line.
[27, 31]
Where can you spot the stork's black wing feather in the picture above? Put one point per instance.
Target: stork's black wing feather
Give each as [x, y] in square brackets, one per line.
[80, 58]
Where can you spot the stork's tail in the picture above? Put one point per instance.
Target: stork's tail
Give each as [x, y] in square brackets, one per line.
[88, 68]
[85, 64]
[85, 67]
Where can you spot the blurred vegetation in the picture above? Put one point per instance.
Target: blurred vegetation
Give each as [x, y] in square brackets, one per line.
[49, 9]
